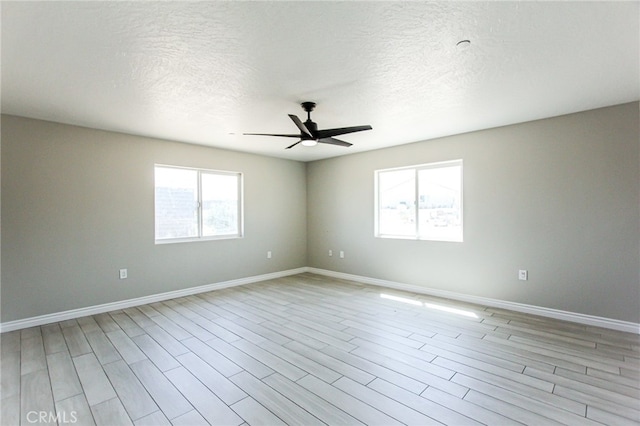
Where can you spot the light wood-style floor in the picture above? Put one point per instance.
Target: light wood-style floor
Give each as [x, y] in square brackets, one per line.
[307, 350]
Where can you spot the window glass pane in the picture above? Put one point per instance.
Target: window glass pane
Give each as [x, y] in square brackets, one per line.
[176, 203]
[396, 203]
[440, 202]
[220, 204]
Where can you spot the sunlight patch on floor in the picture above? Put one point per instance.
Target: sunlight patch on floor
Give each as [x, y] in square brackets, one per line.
[435, 306]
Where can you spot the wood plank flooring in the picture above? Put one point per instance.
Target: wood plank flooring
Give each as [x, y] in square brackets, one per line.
[307, 350]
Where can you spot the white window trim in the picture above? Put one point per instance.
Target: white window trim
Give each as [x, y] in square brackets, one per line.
[200, 237]
[416, 169]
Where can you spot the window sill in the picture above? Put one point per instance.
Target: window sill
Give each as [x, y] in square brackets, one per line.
[411, 237]
[197, 239]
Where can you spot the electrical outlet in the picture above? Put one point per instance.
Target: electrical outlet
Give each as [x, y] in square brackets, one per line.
[523, 275]
[123, 274]
[330, 252]
[269, 254]
[341, 254]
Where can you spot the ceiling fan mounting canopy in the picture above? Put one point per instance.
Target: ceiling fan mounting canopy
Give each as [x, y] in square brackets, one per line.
[309, 133]
[308, 106]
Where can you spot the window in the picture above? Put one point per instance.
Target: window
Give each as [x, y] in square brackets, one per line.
[196, 204]
[420, 202]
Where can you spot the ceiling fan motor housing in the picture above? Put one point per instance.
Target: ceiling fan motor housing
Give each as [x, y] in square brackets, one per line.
[312, 127]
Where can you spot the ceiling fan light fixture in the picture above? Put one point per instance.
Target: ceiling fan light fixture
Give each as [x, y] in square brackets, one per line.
[309, 142]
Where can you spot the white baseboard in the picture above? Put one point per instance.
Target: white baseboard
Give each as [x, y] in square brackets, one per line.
[591, 320]
[612, 324]
[106, 307]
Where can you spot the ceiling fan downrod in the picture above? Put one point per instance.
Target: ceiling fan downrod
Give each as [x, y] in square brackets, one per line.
[308, 107]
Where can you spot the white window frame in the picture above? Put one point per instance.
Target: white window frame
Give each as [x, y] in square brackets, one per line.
[417, 168]
[200, 236]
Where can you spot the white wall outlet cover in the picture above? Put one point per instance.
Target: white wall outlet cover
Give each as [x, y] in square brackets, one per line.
[523, 275]
[123, 274]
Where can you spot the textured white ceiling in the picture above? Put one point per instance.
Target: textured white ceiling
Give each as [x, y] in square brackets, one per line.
[206, 72]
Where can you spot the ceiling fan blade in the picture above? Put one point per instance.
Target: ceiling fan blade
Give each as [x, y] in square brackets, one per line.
[272, 134]
[341, 131]
[291, 146]
[334, 141]
[300, 125]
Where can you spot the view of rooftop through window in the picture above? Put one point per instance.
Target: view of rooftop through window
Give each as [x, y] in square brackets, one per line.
[195, 204]
[422, 202]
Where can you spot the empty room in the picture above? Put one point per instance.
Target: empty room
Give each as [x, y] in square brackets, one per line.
[320, 213]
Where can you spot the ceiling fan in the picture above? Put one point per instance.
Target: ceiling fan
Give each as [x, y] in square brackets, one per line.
[309, 133]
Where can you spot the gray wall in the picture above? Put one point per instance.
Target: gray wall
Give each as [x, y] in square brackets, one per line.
[559, 197]
[78, 204]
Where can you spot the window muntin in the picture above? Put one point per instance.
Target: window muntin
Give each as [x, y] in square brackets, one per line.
[420, 202]
[196, 204]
